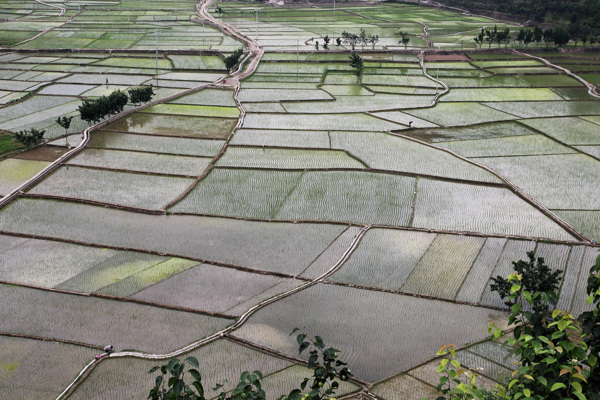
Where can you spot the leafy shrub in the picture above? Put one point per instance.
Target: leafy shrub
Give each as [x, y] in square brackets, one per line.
[30, 137]
[323, 361]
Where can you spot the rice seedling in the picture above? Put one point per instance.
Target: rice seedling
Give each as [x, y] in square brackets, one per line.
[460, 114]
[366, 342]
[39, 369]
[460, 207]
[570, 130]
[281, 138]
[113, 187]
[557, 181]
[403, 387]
[100, 321]
[524, 145]
[142, 162]
[501, 94]
[245, 243]
[244, 157]
[443, 268]
[220, 360]
[584, 221]
[387, 152]
[384, 258]
[14, 172]
[203, 286]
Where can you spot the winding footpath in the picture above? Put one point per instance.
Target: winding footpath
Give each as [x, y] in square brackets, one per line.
[592, 89]
[239, 322]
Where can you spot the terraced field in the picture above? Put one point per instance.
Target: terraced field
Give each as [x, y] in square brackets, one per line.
[371, 210]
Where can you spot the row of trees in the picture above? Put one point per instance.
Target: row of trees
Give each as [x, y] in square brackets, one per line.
[96, 110]
[559, 36]
[361, 39]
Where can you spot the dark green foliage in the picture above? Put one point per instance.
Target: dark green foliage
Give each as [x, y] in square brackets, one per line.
[356, 62]
[317, 45]
[560, 36]
[480, 39]
[326, 41]
[232, 60]
[338, 41]
[96, 110]
[64, 122]
[323, 361]
[538, 34]
[350, 38]
[590, 322]
[405, 39]
[536, 277]
[141, 94]
[327, 368]
[548, 36]
[30, 137]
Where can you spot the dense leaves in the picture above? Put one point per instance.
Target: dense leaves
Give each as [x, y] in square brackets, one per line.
[322, 360]
[232, 60]
[96, 110]
[140, 95]
[558, 356]
[30, 137]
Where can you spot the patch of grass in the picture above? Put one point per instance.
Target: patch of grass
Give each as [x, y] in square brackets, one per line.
[8, 143]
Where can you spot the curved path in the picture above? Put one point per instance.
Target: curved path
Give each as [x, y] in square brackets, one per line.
[243, 318]
[592, 89]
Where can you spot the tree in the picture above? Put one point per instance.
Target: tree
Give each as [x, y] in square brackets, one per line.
[548, 36]
[356, 62]
[480, 38]
[326, 41]
[350, 38]
[538, 34]
[29, 137]
[232, 60]
[503, 37]
[65, 123]
[362, 37]
[405, 39]
[560, 36]
[491, 36]
[557, 354]
[317, 45]
[575, 32]
[141, 94]
[338, 41]
[87, 111]
[327, 369]
[528, 37]
[373, 39]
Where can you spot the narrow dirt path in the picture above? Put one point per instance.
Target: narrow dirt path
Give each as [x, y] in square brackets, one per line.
[592, 89]
[243, 318]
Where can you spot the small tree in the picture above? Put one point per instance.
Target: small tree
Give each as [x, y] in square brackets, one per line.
[362, 37]
[480, 38]
[326, 41]
[324, 362]
[548, 36]
[232, 60]
[373, 39]
[350, 38]
[317, 45]
[538, 34]
[405, 39]
[356, 62]
[560, 36]
[338, 41]
[29, 137]
[65, 123]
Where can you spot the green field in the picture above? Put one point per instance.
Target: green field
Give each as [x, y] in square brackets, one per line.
[372, 206]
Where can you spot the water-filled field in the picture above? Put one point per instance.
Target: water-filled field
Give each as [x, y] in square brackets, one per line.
[370, 208]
